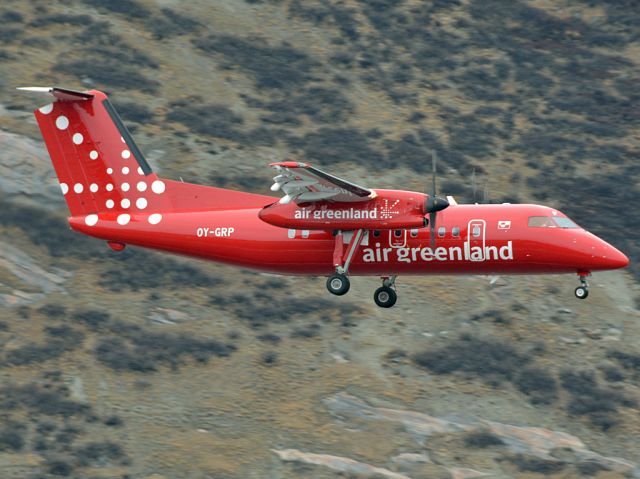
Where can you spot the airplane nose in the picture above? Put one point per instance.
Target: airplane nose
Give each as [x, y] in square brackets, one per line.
[609, 257]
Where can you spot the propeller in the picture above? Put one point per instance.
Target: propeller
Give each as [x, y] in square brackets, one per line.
[434, 203]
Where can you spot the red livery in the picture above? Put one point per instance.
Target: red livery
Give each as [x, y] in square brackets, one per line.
[322, 225]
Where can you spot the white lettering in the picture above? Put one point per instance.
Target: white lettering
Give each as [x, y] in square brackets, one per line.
[403, 255]
[506, 252]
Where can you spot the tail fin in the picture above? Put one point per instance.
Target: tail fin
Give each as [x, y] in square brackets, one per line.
[99, 167]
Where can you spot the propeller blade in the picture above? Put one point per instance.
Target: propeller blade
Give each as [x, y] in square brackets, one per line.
[434, 159]
[473, 185]
[432, 228]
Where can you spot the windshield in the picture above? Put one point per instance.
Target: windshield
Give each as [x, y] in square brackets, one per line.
[551, 222]
[565, 222]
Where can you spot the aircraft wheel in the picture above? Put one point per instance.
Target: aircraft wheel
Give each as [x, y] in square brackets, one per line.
[385, 297]
[338, 284]
[581, 292]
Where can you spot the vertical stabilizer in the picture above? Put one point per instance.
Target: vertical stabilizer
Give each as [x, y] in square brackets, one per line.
[101, 171]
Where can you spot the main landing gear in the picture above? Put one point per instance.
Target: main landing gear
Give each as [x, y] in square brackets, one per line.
[582, 291]
[386, 296]
[338, 283]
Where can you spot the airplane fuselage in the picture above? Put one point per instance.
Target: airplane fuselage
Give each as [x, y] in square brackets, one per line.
[485, 239]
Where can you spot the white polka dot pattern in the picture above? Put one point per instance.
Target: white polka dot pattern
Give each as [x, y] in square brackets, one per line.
[123, 219]
[78, 188]
[91, 220]
[157, 187]
[141, 186]
[45, 110]
[125, 187]
[93, 188]
[93, 154]
[77, 138]
[109, 204]
[141, 203]
[109, 187]
[65, 188]
[125, 171]
[155, 218]
[126, 154]
[125, 203]
[62, 122]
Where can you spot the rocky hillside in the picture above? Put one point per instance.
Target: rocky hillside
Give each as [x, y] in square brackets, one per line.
[141, 365]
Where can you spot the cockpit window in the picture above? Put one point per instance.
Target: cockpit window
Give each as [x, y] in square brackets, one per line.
[551, 222]
[541, 222]
[565, 222]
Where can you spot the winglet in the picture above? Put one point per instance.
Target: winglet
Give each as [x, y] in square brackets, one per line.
[59, 93]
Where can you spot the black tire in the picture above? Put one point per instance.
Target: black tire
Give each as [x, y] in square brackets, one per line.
[581, 292]
[338, 284]
[385, 297]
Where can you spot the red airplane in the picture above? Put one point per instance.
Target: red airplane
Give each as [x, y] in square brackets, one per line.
[322, 226]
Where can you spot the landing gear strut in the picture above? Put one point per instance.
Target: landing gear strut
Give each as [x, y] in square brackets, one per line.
[386, 295]
[338, 283]
[582, 291]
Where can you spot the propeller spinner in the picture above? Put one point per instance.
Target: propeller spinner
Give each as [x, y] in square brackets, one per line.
[434, 203]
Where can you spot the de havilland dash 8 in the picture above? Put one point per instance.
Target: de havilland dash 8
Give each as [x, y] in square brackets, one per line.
[322, 226]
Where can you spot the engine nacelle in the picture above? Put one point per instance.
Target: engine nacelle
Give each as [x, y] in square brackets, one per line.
[386, 210]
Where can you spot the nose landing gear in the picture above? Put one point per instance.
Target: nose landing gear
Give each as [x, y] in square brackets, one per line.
[582, 291]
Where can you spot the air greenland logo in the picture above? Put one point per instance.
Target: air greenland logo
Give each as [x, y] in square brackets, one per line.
[347, 214]
[386, 212]
[427, 254]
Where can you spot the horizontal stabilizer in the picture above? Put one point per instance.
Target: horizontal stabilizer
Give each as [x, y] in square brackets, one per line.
[59, 93]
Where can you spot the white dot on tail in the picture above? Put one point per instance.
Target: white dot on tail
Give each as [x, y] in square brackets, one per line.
[123, 219]
[110, 204]
[142, 186]
[141, 203]
[157, 187]
[125, 171]
[93, 154]
[140, 172]
[93, 188]
[109, 171]
[77, 138]
[126, 154]
[64, 188]
[45, 110]
[91, 220]
[109, 187]
[125, 203]
[155, 218]
[78, 188]
[122, 139]
[125, 187]
[62, 122]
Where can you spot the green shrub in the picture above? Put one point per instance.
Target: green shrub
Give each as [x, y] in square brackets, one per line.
[482, 439]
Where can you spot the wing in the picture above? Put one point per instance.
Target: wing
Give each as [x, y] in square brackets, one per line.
[301, 182]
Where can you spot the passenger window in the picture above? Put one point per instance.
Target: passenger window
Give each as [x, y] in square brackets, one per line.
[541, 222]
[476, 231]
[441, 231]
[455, 232]
[291, 234]
[376, 233]
[397, 233]
[414, 233]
